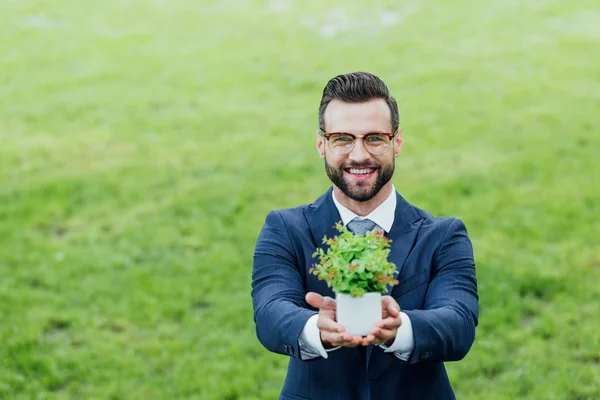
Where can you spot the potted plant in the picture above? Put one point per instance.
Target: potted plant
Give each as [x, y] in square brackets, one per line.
[357, 270]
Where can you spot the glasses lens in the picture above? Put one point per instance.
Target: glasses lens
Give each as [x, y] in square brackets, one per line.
[377, 143]
[340, 143]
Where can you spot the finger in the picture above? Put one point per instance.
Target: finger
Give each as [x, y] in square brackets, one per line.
[340, 339]
[372, 340]
[369, 339]
[379, 336]
[350, 341]
[357, 340]
[326, 323]
[331, 339]
[376, 336]
[389, 323]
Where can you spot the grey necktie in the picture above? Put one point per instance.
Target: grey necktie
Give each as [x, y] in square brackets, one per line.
[361, 226]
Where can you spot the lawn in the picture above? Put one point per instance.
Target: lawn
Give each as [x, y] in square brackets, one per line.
[142, 144]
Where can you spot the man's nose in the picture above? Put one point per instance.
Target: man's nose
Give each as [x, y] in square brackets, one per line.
[359, 153]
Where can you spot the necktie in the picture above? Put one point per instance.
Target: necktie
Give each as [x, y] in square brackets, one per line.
[361, 226]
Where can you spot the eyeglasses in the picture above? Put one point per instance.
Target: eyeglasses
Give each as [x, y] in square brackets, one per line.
[341, 143]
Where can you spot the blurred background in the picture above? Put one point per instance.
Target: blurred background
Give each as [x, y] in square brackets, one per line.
[142, 144]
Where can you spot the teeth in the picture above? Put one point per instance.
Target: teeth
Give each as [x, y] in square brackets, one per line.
[361, 171]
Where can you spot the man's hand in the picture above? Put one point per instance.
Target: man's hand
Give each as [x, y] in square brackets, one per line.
[386, 329]
[332, 333]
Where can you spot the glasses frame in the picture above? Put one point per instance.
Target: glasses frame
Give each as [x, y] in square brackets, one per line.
[327, 136]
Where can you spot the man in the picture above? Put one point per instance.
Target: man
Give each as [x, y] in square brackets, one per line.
[402, 358]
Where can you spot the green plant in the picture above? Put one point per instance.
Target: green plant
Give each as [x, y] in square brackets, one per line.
[355, 264]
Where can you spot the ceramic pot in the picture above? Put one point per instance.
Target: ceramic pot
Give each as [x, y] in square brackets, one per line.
[358, 315]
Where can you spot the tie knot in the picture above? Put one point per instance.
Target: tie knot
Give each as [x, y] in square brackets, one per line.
[361, 226]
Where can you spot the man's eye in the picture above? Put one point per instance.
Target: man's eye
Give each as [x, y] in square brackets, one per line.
[343, 139]
[376, 138]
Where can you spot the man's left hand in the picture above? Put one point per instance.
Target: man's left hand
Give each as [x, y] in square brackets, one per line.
[386, 329]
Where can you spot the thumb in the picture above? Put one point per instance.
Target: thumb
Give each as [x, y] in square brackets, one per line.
[390, 304]
[314, 299]
[318, 301]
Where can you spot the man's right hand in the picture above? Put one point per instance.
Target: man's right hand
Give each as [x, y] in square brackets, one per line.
[332, 333]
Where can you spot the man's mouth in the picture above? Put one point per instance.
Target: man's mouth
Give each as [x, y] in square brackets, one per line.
[360, 173]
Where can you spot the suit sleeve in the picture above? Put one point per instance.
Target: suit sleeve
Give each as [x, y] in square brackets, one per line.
[445, 329]
[280, 311]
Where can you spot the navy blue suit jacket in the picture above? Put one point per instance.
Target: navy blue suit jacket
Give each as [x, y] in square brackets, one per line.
[437, 290]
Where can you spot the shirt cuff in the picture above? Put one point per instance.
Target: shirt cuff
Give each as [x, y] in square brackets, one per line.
[404, 343]
[310, 341]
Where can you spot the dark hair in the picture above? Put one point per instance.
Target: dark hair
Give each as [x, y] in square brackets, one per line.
[357, 87]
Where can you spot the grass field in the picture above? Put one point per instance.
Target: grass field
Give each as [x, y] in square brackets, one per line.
[142, 144]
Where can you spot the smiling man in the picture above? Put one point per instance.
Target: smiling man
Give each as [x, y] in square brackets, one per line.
[428, 318]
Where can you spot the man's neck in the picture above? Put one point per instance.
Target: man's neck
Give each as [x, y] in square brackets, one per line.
[363, 208]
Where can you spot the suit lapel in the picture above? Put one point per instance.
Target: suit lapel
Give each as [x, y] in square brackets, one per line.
[322, 216]
[403, 233]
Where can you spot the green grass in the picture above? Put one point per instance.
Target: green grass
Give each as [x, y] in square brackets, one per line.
[142, 143]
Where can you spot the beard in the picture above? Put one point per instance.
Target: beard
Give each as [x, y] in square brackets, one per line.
[360, 191]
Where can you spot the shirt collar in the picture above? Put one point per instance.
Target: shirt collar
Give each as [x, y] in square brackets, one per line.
[383, 215]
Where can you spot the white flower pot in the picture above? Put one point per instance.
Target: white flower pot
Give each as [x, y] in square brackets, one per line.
[358, 315]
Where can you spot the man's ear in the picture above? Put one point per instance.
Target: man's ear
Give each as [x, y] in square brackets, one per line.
[398, 143]
[320, 145]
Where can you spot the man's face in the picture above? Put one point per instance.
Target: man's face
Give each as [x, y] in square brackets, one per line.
[359, 174]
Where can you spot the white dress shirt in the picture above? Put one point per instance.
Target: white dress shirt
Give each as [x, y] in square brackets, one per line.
[310, 338]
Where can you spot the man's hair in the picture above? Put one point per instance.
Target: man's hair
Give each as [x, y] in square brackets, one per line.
[357, 87]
